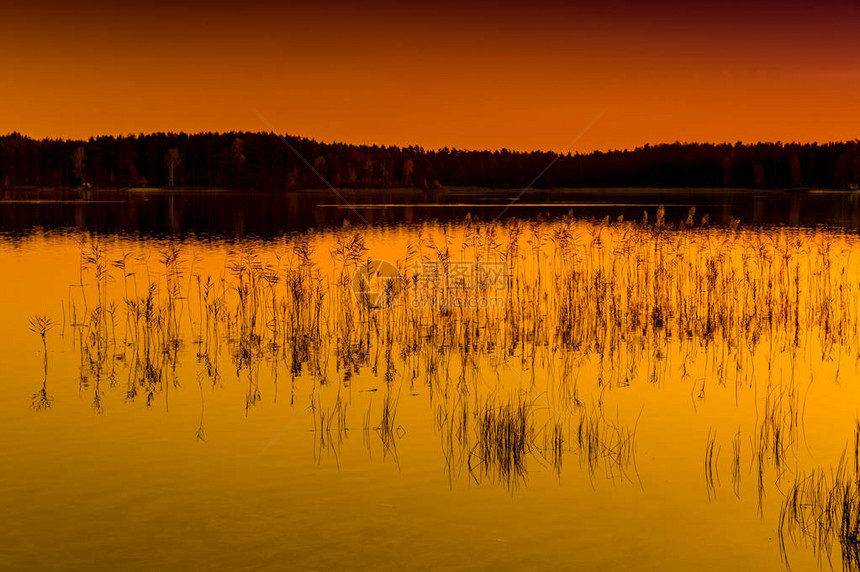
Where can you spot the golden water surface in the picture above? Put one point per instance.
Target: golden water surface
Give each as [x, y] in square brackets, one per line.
[530, 395]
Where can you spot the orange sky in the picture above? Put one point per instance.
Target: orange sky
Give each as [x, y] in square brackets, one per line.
[457, 74]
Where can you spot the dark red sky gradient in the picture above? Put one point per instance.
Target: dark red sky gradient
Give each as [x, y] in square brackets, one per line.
[524, 75]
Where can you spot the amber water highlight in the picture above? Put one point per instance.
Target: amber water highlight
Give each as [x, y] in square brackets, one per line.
[645, 394]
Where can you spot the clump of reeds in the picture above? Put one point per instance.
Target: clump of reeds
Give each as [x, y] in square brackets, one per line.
[607, 444]
[610, 298]
[503, 438]
[823, 508]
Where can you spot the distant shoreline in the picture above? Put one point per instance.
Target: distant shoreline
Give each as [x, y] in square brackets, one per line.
[248, 160]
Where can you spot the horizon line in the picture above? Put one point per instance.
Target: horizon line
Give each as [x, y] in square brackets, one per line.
[641, 147]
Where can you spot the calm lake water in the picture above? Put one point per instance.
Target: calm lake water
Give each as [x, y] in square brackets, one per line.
[223, 380]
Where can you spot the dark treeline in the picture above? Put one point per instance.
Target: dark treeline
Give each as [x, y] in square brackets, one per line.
[265, 161]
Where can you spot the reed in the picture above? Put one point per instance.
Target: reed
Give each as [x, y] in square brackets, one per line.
[581, 309]
[41, 325]
[822, 509]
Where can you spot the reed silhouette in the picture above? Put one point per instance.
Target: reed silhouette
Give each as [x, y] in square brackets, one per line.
[41, 325]
[579, 312]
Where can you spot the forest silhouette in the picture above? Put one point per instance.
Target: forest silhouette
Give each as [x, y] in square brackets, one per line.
[268, 161]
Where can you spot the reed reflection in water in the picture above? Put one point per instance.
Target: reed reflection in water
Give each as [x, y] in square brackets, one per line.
[504, 353]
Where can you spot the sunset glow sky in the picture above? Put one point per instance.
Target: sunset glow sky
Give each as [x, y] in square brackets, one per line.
[524, 76]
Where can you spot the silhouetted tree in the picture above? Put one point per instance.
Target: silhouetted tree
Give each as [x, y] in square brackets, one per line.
[796, 171]
[172, 160]
[78, 156]
[261, 160]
